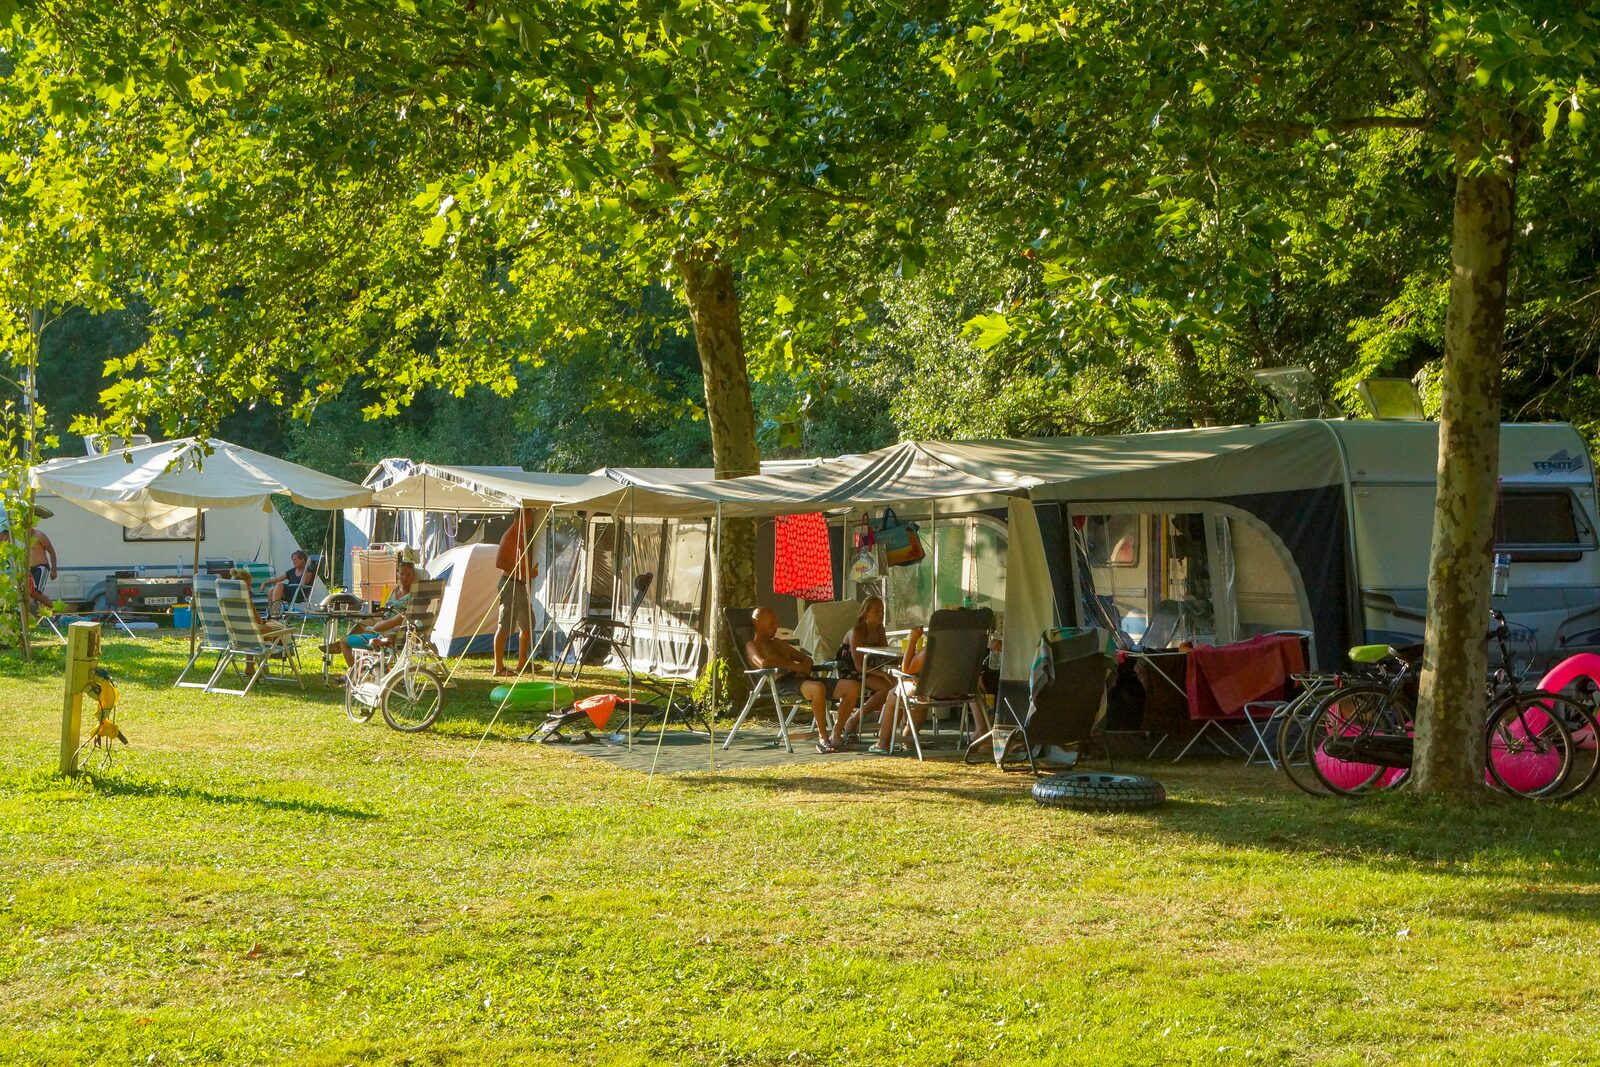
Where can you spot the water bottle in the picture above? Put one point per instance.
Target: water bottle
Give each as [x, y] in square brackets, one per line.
[1500, 580]
[967, 602]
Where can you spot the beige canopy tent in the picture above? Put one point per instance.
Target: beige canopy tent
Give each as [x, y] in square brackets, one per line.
[159, 484]
[162, 483]
[1281, 508]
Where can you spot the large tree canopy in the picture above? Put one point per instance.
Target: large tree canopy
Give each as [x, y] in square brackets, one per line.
[995, 217]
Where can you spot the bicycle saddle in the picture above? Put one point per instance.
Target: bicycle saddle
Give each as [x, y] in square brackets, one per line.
[1379, 653]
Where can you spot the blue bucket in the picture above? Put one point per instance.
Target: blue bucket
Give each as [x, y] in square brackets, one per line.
[180, 617]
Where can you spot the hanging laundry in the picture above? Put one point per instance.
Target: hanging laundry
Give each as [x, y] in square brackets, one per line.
[802, 560]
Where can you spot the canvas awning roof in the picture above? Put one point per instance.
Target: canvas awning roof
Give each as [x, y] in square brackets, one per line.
[164, 482]
[958, 476]
[652, 477]
[906, 473]
[1173, 464]
[976, 475]
[439, 487]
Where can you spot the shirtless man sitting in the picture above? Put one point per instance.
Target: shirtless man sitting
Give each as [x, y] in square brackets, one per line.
[797, 682]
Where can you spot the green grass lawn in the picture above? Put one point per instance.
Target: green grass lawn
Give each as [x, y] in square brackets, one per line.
[260, 880]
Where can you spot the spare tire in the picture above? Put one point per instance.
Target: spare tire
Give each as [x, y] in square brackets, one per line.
[1099, 792]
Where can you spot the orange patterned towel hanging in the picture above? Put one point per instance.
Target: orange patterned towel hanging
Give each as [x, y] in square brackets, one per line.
[802, 562]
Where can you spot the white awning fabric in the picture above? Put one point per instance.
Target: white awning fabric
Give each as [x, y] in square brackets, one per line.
[977, 475]
[162, 483]
[437, 487]
[961, 475]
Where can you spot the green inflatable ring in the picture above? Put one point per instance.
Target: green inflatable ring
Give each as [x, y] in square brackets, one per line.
[533, 696]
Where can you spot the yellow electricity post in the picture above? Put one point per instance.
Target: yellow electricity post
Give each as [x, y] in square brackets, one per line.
[83, 655]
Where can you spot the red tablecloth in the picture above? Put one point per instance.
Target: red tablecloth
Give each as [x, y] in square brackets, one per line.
[1222, 680]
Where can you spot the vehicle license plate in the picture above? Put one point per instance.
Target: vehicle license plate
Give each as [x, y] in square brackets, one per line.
[157, 601]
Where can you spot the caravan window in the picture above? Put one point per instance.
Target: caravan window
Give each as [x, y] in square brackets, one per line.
[1112, 540]
[1543, 524]
[965, 556]
[1154, 581]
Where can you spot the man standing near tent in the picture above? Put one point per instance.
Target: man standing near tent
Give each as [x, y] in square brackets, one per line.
[41, 562]
[517, 572]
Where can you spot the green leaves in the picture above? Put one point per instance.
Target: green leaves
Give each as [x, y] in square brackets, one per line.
[987, 330]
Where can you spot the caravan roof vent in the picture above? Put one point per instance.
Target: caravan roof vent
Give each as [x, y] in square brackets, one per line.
[1392, 399]
[98, 444]
[1294, 389]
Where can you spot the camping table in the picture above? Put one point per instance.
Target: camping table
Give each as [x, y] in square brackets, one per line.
[888, 653]
[330, 628]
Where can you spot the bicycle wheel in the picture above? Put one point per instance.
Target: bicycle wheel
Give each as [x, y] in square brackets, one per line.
[1356, 739]
[358, 710]
[1529, 748]
[411, 700]
[1585, 727]
[1294, 753]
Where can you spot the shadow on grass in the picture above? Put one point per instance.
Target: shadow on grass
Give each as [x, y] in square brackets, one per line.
[1007, 790]
[1403, 832]
[111, 786]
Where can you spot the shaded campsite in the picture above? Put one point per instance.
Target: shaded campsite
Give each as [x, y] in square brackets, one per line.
[263, 881]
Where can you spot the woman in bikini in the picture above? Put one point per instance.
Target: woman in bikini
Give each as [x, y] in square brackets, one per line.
[867, 632]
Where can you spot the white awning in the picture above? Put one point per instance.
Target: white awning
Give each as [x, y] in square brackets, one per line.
[437, 487]
[163, 483]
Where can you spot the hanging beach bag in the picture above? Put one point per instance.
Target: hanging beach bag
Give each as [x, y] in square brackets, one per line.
[901, 545]
[864, 568]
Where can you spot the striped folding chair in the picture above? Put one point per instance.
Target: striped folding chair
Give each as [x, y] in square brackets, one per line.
[422, 612]
[272, 658]
[213, 631]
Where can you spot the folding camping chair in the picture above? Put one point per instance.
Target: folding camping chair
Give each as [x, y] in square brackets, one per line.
[213, 631]
[1071, 677]
[421, 613]
[298, 598]
[957, 643]
[763, 680]
[247, 641]
[601, 634]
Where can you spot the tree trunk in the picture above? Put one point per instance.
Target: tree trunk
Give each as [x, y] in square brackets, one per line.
[713, 299]
[1199, 409]
[30, 456]
[1451, 711]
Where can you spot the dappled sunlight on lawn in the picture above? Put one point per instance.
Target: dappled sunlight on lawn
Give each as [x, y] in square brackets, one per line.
[260, 879]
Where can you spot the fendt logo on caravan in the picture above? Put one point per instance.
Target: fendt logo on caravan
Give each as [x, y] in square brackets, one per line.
[1560, 463]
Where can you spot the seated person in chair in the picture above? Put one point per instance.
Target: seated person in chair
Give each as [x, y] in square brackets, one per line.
[293, 585]
[273, 631]
[867, 632]
[796, 682]
[900, 695]
[363, 636]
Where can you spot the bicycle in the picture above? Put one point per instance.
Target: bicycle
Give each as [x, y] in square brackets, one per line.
[1359, 737]
[408, 693]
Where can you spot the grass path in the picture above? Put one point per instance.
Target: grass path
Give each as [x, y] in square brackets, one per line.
[259, 880]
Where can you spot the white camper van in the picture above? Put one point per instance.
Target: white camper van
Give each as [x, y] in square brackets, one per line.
[93, 552]
[91, 549]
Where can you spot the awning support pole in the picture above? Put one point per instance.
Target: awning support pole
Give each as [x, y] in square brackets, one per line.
[194, 580]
